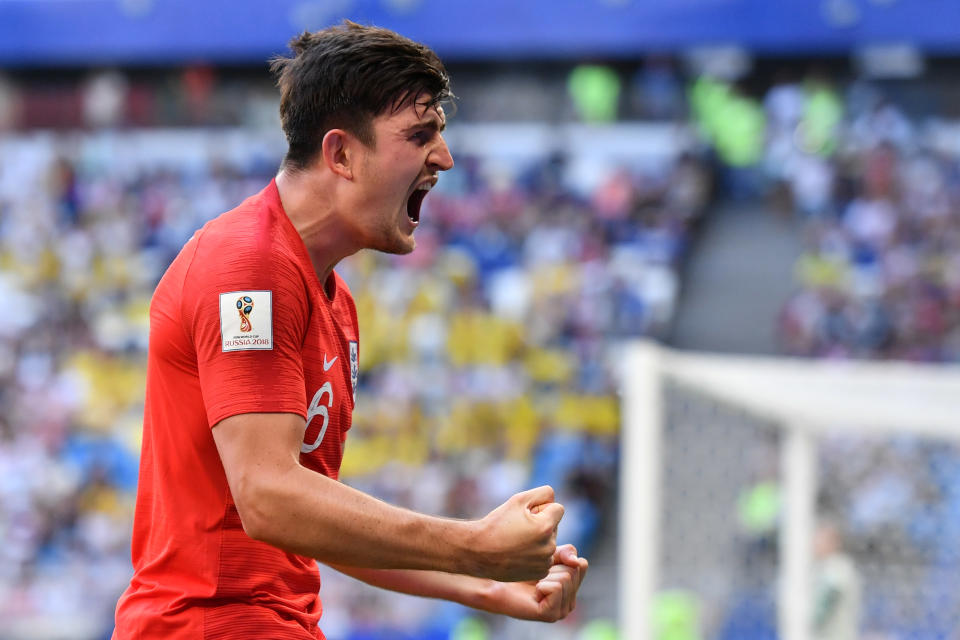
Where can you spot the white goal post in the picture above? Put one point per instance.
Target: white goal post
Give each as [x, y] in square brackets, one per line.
[803, 399]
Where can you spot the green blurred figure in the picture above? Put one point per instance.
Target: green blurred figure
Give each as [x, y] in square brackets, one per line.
[733, 123]
[470, 629]
[599, 629]
[707, 97]
[595, 91]
[758, 508]
[822, 115]
[676, 616]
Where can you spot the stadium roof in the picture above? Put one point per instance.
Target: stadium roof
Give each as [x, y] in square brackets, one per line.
[88, 32]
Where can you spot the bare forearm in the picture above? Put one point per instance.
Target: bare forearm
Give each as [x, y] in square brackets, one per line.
[547, 600]
[466, 590]
[285, 504]
[306, 513]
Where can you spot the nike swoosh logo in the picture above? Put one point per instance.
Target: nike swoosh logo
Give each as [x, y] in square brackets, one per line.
[327, 365]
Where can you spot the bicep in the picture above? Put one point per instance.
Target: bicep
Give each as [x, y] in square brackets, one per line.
[255, 449]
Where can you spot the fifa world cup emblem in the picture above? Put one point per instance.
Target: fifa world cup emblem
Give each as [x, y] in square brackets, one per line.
[244, 307]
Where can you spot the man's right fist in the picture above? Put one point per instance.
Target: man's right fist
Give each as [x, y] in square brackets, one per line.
[517, 540]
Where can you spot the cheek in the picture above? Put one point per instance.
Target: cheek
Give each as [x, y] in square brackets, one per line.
[406, 165]
[387, 172]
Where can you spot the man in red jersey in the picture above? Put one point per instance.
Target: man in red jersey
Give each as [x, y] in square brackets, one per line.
[251, 378]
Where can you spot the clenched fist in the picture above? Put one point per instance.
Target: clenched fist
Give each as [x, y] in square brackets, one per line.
[517, 540]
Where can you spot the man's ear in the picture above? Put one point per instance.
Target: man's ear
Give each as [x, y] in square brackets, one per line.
[336, 151]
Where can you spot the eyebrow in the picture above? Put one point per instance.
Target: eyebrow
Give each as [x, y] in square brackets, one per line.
[428, 124]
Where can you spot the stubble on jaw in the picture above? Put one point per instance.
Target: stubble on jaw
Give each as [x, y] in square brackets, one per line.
[389, 239]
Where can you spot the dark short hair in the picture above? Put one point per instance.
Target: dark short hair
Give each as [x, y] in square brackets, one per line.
[344, 76]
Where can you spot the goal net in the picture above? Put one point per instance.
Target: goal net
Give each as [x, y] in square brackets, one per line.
[780, 498]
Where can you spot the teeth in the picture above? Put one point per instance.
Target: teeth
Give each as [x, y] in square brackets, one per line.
[426, 186]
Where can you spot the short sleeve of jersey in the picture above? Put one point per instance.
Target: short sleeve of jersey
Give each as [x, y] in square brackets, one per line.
[246, 309]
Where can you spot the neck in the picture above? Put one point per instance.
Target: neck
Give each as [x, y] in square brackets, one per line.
[309, 199]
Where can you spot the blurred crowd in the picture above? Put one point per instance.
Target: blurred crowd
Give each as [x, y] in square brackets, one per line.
[878, 189]
[486, 362]
[875, 189]
[879, 276]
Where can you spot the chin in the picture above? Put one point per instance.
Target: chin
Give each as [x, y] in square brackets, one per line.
[398, 246]
[410, 245]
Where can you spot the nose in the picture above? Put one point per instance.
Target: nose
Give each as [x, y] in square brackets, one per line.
[440, 158]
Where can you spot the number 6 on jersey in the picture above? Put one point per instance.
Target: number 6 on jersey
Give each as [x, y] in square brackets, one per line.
[317, 408]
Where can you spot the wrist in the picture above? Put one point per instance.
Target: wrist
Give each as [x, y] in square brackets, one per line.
[486, 595]
[463, 537]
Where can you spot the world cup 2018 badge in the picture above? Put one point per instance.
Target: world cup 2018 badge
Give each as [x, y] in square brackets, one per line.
[251, 333]
[245, 308]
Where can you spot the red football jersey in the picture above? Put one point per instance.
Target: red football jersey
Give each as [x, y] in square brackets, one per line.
[238, 324]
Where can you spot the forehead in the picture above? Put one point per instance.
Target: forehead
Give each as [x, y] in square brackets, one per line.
[416, 113]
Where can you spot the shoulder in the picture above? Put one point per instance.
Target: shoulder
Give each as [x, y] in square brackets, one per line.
[246, 245]
[244, 254]
[250, 228]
